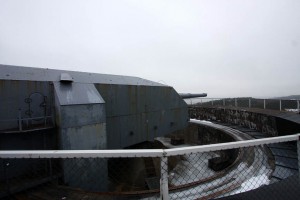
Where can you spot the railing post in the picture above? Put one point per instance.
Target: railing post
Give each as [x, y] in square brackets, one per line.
[249, 103]
[212, 102]
[164, 187]
[223, 102]
[264, 104]
[235, 102]
[280, 104]
[298, 105]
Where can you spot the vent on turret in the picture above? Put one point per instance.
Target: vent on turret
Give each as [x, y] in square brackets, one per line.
[66, 78]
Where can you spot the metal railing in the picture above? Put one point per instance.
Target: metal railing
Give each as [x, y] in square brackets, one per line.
[194, 172]
[247, 102]
[27, 123]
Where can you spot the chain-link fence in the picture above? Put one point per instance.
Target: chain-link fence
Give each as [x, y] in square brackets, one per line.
[195, 172]
[245, 102]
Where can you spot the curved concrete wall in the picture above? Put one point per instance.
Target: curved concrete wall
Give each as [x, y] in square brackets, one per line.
[272, 123]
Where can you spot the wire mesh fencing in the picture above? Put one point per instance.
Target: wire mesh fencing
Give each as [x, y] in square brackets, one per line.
[195, 172]
[80, 178]
[216, 174]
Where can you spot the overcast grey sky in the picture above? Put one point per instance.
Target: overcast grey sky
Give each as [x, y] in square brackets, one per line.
[222, 47]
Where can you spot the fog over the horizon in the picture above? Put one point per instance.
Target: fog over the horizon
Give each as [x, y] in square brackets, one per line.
[225, 48]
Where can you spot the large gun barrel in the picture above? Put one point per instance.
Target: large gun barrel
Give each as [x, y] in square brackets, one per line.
[189, 95]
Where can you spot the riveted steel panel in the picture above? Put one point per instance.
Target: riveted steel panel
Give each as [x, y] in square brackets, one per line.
[24, 99]
[133, 129]
[80, 115]
[125, 100]
[77, 93]
[141, 112]
[86, 137]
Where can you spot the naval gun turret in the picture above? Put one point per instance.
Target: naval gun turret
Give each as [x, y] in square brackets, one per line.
[87, 110]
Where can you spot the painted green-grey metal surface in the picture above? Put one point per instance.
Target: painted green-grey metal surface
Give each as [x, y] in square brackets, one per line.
[81, 120]
[10, 72]
[24, 99]
[81, 126]
[91, 111]
[134, 109]
[141, 113]
[77, 93]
